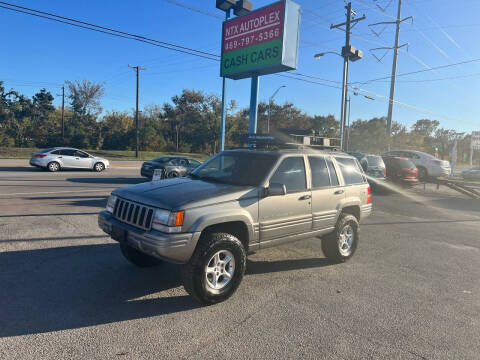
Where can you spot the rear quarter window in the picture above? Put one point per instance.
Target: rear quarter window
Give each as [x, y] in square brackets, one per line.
[352, 174]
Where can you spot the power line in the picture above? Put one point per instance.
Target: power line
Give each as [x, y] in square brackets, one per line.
[419, 71]
[192, 8]
[108, 31]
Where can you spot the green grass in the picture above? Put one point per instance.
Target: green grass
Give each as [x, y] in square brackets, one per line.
[25, 153]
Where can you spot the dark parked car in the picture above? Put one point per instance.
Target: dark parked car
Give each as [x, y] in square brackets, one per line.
[374, 168]
[171, 166]
[401, 170]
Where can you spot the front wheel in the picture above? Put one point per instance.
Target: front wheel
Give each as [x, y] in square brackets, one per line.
[216, 268]
[340, 245]
[99, 167]
[53, 166]
[173, 174]
[138, 258]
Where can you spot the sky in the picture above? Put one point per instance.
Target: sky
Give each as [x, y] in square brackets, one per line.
[40, 53]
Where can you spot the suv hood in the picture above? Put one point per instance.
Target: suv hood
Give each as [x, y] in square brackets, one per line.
[176, 193]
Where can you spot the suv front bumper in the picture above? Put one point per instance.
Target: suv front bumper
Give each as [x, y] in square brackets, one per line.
[175, 248]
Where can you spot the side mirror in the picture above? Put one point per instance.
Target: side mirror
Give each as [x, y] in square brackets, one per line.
[276, 189]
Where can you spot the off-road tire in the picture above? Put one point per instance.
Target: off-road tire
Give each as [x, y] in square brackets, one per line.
[194, 272]
[331, 242]
[98, 167]
[53, 166]
[138, 258]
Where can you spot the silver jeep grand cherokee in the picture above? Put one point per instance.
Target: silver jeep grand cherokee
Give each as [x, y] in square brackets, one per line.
[239, 201]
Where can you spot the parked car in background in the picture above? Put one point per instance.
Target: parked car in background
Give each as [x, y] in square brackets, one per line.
[171, 166]
[428, 165]
[401, 170]
[58, 158]
[472, 173]
[374, 168]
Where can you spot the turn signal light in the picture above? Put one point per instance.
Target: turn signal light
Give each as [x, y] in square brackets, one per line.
[179, 218]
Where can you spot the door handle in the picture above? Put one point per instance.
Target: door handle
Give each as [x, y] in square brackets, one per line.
[59, 157]
[304, 197]
[338, 192]
[77, 158]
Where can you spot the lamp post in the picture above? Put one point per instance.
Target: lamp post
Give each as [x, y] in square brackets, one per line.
[240, 7]
[269, 106]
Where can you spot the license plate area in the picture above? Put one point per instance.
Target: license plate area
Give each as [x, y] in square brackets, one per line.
[118, 233]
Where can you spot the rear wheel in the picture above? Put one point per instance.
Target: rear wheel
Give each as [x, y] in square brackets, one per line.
[216, 268]
[172, 174]
[99, 167]
[340, 245]
[53, 166]
[138, 258]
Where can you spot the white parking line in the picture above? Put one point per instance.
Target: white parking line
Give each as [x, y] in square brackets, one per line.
[57, 192]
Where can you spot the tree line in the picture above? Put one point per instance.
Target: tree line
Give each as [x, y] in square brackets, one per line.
[190, 122]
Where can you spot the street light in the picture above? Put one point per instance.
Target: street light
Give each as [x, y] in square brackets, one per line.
[269, 106]
[240, 7]
[319, 55]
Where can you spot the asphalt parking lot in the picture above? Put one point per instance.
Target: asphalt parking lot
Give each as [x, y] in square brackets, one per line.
[412, 291]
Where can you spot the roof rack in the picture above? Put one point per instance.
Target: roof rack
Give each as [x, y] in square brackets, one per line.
[289, 141]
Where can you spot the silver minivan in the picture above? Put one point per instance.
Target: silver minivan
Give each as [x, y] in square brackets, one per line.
[57, 158]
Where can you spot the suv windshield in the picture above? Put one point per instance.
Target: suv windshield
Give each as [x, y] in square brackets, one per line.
[236, 168]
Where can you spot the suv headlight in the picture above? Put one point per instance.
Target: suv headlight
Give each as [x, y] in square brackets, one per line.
[168, 221]
[112, 199]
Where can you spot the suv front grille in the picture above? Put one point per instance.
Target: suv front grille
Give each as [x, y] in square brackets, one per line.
[133, 213]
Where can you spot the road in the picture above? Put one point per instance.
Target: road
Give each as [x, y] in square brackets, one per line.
[412, 290]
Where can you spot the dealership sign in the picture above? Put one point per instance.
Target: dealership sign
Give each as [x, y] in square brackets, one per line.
[264, 41]
[476, 140]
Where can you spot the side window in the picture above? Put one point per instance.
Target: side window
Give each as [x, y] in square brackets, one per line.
[333, 173]
[291, 173]
[56, 152]
[67, 152]
[81, 154]
[193, 162]
[173, 162]
[350, 171]
[320, 177]
[182, 162]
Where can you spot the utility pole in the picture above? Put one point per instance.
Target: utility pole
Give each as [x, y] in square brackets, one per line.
[395, 48]
[63, 115]
[137, 70]
[348, 53]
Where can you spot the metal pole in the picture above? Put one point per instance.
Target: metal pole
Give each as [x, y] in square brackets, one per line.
[176, 129]
[470, 158]
[224, 94]
[252, 127]
[394, 72]
[268, 121]
[348, 126]
[63, 115]
[136, 119]
[345, 73]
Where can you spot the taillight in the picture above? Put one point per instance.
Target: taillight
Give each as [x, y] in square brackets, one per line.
[369, 195]
[385, 172]
[438, 162]
[40, 155]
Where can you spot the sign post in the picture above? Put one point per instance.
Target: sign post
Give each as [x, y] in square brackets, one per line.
[474, 144]
[264, 41]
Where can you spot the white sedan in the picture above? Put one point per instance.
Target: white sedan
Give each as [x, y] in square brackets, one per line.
[55, 159]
